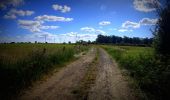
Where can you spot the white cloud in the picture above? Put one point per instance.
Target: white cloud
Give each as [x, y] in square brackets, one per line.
[145, 5]
[100, 32]
[40, 37]
[74, 36]
[133, 25]
[14, 3]
[37, 29]
[10, 16]
[13, 13]
[92, 30]
[112, 29]
[124, 30]
[53, 18]
[49, 27]
[104, 23]
[51, 38]
[42, 34]
[63, 9]
[129, 24]
[34, 26]
[87, 37]
[87, 29]
[148, 21]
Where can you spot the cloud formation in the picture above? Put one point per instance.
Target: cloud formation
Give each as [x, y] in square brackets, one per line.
[53, 18]
[48, 27]
[87, 29]
[92, 30]
[14, 3]
[147, 21]
[75, 36]
[61, 8]
[129, 24]
[145, 5]
[37, 28]
[134, 25]
[104, 23]
[100, 32]
[13, 13]
[34, 26]
[124, 30]
[72, 34]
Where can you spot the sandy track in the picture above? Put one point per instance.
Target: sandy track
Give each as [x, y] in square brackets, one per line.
[110, 84]
[62, 83]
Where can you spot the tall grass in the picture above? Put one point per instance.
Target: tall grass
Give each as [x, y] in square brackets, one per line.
[20, 64]
[148, 72]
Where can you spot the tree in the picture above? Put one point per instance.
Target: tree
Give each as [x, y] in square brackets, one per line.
[89, 42]
[162, 31]
[69, 42]
[125, 40]
[162, 50]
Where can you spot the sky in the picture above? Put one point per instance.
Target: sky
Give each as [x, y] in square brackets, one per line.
[58, 21]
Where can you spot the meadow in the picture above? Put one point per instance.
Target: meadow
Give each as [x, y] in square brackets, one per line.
[21, 64]
[149, 74]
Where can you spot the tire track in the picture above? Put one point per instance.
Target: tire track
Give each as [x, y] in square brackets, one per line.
[110, 84]
[85, 79]
[62, 83]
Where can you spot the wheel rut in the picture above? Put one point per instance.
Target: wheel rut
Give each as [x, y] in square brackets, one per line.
[95, 76]
[61, 84]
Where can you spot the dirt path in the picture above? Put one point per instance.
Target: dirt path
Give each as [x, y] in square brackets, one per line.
[110, 84]
[99, 79]
[61, 84]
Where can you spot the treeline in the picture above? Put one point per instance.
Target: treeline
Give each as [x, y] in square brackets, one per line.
[124, 40]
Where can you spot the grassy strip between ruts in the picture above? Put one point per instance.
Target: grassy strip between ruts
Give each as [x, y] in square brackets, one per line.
[21, 64]
[82, 90]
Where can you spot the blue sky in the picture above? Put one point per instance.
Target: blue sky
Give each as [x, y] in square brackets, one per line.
[71, 20]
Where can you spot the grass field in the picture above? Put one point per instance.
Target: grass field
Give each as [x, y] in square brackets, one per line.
[149, 74]
[20, 64]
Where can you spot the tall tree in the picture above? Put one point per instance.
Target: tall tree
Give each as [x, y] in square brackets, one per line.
[162, 31]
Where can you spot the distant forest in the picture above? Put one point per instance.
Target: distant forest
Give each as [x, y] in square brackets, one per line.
[123, 40]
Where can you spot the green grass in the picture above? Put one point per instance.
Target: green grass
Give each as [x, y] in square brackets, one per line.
[20, 64]
[149, 74]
